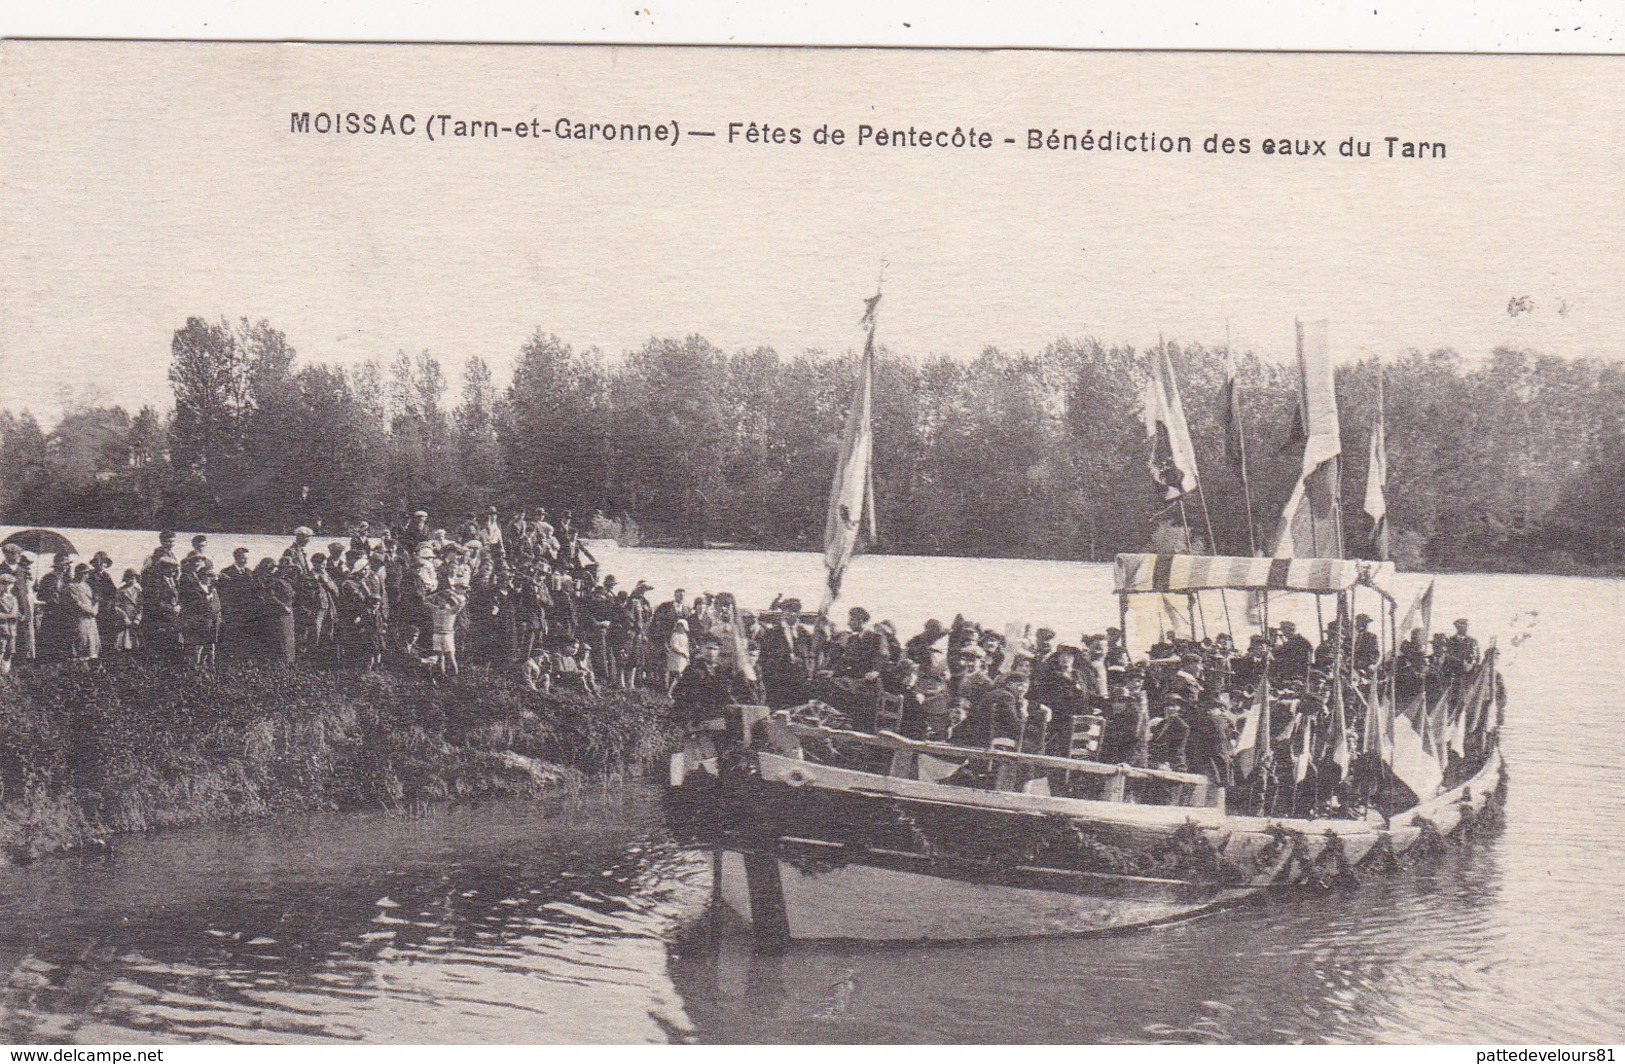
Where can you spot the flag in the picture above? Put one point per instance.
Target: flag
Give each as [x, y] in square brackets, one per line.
[1309, 523]
[1340, 741]
[852, 487]
[739, 642]
[1419, 615]
[1376, 479]
[1412, 759]
[1378, 719]
[1253, 745]
[1303, 749]
[1230, 414]
[1477, 699]
[1173, 458]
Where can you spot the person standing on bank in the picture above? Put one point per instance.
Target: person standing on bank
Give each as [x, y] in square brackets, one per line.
[10, 616]
[106, 591]
[79, 603]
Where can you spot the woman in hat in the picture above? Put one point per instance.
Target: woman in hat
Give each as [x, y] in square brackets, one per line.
[105, 590]
[127, 612]
[80, 603]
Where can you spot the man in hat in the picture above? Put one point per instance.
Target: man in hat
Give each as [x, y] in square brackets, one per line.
[57, 618]
[968, 684]
[1170, 736]
[702, 693]
[1292, 656]
[861, 649]
[166, 549]
[1366, 652]
[103, 589]
[1005, 713]
[297, 556]
[1462, 648]
[14, 563]
[1043, 645]
[1247, 670]
[235, 586]
[416, 531]
[489, 533]
[918, 648]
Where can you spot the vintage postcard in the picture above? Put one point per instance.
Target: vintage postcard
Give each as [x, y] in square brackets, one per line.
[607, 544]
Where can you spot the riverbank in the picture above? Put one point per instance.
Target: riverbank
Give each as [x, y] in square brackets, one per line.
[133, 745]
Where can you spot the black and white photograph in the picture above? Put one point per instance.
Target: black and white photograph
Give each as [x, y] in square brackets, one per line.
[580, 544]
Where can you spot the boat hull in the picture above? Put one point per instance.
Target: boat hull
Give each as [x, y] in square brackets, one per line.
[825, 860]
[868, 903]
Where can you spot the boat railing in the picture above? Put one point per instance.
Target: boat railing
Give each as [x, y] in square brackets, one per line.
[1019, 771]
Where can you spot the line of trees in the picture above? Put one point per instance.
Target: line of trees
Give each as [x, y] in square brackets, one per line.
[1514, 463]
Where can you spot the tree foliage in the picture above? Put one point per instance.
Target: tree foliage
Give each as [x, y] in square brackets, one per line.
[1515, 461]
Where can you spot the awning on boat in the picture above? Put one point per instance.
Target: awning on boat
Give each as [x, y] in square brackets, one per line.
[1138, 573]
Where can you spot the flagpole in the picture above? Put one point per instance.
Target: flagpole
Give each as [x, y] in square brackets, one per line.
[1241, 439]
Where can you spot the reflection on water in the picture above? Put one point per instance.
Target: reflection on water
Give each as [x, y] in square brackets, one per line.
[582, 921]
[507, 923]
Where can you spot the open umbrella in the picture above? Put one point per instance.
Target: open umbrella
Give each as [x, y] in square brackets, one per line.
[41, 541]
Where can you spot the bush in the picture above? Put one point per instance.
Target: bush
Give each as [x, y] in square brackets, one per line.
[138, 745]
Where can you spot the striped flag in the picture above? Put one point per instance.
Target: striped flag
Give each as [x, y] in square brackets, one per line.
[1253, 745]
[1340, 741]
[1303, 749]
[1376, 500]
[851, 495]
[1173, 458]
[1412, 758]
[1309, 521]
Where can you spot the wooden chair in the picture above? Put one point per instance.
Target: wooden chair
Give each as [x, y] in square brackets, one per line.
[889, 714]
[1087, 731]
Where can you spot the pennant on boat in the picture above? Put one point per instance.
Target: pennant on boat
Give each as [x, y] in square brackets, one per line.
[1253, 744]
[1376, 480]
[1309, 524]
[1303, 749]
[1378, 718]
[1411, 757]
[1420, 614]
[1173, 458]
[1230, 414]
[851, 494]
[1340, 741]
[740, 641]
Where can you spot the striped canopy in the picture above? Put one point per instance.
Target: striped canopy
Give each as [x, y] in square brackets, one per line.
[1196, 572]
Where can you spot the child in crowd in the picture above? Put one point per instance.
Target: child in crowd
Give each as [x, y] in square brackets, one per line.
[10, 614]
[445, 605]
[127, 611]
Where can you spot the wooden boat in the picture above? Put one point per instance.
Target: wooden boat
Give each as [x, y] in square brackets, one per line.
[882, 847]
[829, 833]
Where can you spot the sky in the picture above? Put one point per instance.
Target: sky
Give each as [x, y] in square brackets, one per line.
[146, 183]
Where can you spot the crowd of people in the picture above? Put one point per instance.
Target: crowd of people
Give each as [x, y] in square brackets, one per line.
[520, 592]
[1183, 707]
[527, 596]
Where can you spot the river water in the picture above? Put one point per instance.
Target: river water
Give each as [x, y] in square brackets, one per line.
[580, 920]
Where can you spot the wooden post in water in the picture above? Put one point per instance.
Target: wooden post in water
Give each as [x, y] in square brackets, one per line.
[769, 922]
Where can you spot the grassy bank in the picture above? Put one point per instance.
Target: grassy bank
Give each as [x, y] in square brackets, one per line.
[88, 754]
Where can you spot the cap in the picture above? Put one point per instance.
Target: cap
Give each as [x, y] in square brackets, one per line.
[1046, 633]
[420, 513]
[303, 530]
